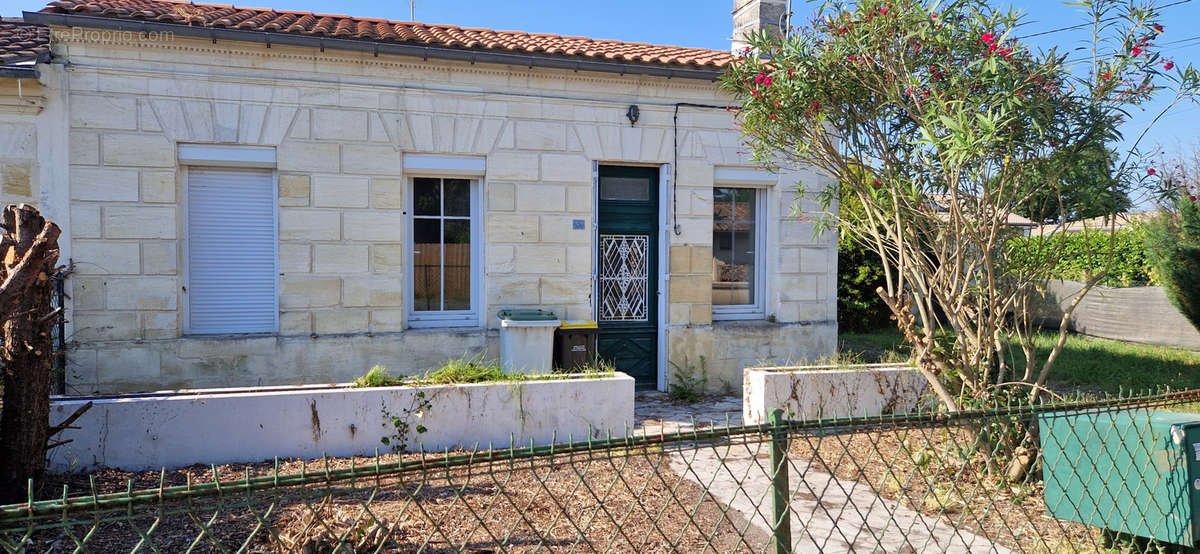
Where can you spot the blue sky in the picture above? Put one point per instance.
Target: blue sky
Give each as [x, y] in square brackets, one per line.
[707, 23]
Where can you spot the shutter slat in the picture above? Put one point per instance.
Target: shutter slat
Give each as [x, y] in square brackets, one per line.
[232, 267]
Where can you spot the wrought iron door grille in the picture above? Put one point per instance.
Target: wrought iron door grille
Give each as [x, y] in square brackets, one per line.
[624, 277]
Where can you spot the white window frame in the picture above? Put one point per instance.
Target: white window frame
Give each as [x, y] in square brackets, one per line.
[445, 318]
[757, 310]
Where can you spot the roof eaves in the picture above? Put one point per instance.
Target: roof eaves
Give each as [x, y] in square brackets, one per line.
[376, 47]
[18, 72]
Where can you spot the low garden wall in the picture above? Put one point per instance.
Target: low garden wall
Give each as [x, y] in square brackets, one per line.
[816, 392]
[217, 426]
[1133, 314]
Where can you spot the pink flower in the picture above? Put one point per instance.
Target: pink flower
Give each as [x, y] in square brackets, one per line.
[878, 184]
[1006, 51]
[1158, 28]
[766, 82]
[987, 38]
[1106, 76]
[1169, 65]
[992, 48]
[1136, 51]
[883, 11]
[759, 79]
[1150, 172]
[773, 116]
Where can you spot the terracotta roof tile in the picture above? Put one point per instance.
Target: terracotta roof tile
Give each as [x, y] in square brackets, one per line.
[21, 42]
[379, 30]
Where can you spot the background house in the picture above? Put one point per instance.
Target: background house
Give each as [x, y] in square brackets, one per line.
[255, 197]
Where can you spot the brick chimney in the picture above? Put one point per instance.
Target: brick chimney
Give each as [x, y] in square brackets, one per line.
[752, 15]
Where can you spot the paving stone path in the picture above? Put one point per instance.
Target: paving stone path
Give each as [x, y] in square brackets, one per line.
[829, 515]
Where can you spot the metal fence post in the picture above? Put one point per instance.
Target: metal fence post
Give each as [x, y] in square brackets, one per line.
[781, 527]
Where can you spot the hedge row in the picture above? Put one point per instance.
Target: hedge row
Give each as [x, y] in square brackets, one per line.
[1080, 256]
[860, 272]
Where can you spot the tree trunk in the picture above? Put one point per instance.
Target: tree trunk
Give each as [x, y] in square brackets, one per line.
[29, 247]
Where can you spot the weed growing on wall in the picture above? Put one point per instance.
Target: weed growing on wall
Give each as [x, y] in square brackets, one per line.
[402, 426]
[688, 381]
[376, 377]
[462, 371]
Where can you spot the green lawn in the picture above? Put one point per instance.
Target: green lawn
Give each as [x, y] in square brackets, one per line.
[1086, 364]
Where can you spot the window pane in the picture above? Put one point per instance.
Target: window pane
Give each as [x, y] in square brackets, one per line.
[458, 197]
[427, 265]
[427, 196]
[458, 264]
[624, 188]
[734, 245]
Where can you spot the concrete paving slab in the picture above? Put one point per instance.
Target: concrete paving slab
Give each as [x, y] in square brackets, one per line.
[829, 515]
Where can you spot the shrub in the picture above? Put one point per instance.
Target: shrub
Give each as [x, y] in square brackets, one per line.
[1173, 249]
[1080, 256]
[859, 307]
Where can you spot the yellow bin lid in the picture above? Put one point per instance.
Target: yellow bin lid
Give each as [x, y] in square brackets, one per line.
[577, 324]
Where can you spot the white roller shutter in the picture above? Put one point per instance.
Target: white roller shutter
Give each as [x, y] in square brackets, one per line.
[231, 242]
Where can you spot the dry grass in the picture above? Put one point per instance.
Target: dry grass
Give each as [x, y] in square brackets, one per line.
[616, 501]
[938, 472]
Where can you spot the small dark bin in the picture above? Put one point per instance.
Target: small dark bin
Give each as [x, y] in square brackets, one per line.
[575, 344]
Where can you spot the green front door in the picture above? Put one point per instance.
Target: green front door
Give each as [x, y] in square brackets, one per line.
[627, 271]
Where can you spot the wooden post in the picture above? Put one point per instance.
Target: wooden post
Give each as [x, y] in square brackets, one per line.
[29, 250]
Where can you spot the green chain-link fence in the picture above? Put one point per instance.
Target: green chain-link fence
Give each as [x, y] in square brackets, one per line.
[970, 482]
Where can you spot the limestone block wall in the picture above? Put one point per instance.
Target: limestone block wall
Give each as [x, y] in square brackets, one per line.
[801, 311]
[341, 124]
[21, 103]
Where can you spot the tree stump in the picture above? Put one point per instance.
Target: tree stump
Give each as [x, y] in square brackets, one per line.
[29, 247]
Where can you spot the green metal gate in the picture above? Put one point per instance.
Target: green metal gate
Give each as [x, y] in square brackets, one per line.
[627, 270]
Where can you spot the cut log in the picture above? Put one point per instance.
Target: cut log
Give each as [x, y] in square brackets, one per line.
[30, 245]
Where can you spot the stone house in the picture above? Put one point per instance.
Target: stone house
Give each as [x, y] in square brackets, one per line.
[259, 197]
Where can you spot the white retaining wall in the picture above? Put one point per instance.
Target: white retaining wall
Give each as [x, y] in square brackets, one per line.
[250, 425]
[815, 392]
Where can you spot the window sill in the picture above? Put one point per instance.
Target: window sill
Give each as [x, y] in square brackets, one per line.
[467, 321]
[758, 322]
[229, 336]
[738, 316]
[434, 329]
